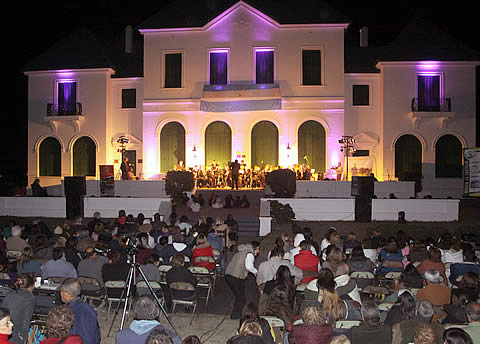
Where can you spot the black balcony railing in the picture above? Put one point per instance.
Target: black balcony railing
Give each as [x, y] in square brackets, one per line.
[64, 109]
[431, 105]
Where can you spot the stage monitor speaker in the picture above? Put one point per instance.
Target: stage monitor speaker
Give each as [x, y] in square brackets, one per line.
[74, 206]
[362, 186]
[75, 186]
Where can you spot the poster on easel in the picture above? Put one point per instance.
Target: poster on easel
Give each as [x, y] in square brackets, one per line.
[471, 172]
[107, 181]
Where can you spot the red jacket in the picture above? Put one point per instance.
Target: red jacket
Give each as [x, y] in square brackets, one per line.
[4, 339]
[308, 262]
[203, 250]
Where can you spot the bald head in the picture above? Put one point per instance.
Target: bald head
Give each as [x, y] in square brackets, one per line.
[90, 252]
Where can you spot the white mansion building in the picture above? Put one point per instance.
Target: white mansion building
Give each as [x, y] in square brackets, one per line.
[263, 85]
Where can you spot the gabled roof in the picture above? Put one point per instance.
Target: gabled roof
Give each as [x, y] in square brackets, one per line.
[198, 13]
[84, 49]
[80, 50]
[423, 40]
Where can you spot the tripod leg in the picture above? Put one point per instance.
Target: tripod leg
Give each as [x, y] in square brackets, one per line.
[125, 289]
[127, 298]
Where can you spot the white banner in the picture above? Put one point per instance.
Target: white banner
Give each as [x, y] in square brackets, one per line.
[471, 175]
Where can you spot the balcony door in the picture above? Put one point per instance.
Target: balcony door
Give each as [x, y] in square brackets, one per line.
[429, 93]
[67, 98]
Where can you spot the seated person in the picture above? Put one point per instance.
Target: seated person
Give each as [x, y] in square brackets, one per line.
[16, 242]
[412, 277]
[60, 321]
[454, 254]
[37, 190]
[146, 312]
[335, 262]
[313, 330]
[469, 286]
[114, 270]
[150, 268]
[434, 291]
[307, 261]
[390, 257]
[473, 316]
[468, 265]
[202, 249]
[58, 266]
[245, 203]
[179, 273]
[178, 246]
[433, 262]
[370, 329]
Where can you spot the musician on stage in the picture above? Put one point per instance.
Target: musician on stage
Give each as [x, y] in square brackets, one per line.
[235, 171]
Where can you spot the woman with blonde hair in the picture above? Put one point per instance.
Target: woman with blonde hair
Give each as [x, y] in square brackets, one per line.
[335, 262]
[250, 332]
[314, 330]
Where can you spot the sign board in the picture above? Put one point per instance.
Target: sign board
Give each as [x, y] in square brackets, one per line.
[471, 172]
[107, 181]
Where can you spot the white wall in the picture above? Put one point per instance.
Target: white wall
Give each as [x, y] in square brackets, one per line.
[415, 209]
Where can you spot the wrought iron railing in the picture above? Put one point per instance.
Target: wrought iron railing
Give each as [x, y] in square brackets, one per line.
[431, 105]
[64, 109]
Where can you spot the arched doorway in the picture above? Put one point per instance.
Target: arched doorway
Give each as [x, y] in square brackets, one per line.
[264, 144]
[408, 157]
[172, 146]
[84, 157]
[218, 143]
[311, 145]
[49, 157]
[448, 157]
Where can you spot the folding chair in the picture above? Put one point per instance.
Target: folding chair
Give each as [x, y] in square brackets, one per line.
[113, 291]
[347, 323]
[4, 276]
[393, 275]
[164, 268]
[277, 325]
[213, 272]
[204, 280]
[363, 278]
[13, 256]
[385, 306]
[142, 289]
[92, 290]
[176, 287]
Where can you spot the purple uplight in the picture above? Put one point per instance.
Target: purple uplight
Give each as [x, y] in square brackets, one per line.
[428, 65]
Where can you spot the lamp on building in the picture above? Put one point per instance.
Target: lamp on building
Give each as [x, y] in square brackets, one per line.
[348, 148]
[122, 141]
[288, 146]
[194, 148]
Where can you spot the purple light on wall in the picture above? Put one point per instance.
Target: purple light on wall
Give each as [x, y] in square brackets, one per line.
[428, 65]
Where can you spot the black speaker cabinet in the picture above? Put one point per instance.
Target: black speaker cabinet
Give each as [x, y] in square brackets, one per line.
[75, 186]
[363, 209]
[75, 189]
[362, 186]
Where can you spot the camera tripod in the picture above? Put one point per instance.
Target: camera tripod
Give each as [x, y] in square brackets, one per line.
[127, 291]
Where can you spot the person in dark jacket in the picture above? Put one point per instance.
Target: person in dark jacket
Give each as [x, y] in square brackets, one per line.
[20, 304]
[178, 246]
[314, 330]
[371, 330]
[405, 309]
[179, 273]
[85, 323]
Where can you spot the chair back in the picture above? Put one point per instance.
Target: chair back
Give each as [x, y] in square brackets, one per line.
[164, 268]
[4, 276]
[182, 286]
[14, 255]
[393, 275]
[204, 259]
[198, 270]
[347, 323]
[273, 321]
[113, 288]
[362, 274]
[89, 283]
[56, 279]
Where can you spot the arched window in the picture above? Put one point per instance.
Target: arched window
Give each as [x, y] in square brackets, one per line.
[84, 157]
[49, 157]
[218, 143]
[311, 145]
[408, 157]
[172, 146]
[264, 144]
[448, 157]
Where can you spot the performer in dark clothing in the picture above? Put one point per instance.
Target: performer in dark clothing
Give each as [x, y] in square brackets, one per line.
[235, 168]
[124, 169]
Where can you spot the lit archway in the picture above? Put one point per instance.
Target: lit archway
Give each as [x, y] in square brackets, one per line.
[84, 157]
[172, 146]
[448, 157]
[408, 157]
[49, 157]
[311, 145]
[218, 143]
[264, 148]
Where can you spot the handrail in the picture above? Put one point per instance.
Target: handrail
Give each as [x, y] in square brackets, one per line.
[64, 109]
[431, 105]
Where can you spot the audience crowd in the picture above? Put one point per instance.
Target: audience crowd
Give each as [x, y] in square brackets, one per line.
[337, 290]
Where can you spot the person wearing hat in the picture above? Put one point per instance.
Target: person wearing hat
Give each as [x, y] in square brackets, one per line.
[146, 226]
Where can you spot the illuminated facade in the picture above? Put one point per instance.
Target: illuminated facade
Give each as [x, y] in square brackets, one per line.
[249, 87]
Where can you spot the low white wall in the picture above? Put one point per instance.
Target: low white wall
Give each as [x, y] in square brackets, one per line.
[319, 209]
[123, 188]
[109, 207]
[33, 206]
[415, 209]
[334, 189]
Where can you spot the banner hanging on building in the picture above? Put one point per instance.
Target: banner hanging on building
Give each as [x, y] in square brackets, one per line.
[107, 181]
[471, 174]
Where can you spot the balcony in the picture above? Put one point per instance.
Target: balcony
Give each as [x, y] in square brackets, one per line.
[440, 108]
[57, 113]
[64, 109]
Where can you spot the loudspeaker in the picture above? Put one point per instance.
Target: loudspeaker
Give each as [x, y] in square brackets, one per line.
[75, 186]
[363, 209]
[362, 186]
[75, 189]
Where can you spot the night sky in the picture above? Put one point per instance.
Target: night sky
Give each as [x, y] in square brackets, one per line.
[31, 28]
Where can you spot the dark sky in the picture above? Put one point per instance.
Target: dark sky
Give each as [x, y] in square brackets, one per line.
[32, 28]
